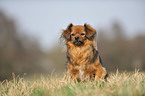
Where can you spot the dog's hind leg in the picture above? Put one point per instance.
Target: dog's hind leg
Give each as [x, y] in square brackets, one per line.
[101, 73]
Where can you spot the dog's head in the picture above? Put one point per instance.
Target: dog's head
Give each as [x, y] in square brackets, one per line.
[78, 34]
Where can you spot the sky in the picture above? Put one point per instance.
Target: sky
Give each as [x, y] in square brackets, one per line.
[45, 20]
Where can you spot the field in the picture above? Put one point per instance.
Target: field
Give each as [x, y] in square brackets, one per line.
[118, 84]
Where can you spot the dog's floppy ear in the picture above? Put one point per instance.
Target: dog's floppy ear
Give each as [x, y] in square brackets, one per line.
[90, 32]
[66, 33]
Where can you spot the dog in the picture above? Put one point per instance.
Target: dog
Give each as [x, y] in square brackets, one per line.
[83, 59]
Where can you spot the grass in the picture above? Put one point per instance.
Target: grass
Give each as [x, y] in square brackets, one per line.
[119, 84]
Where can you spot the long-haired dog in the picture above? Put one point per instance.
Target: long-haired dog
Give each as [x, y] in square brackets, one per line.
[84, 61]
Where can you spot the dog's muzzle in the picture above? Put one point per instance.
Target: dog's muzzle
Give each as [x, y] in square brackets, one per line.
[78, 43]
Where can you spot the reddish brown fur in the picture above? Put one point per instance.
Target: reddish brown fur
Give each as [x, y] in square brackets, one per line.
[83, 59]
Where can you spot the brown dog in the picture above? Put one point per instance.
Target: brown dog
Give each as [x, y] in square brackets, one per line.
[84, 61]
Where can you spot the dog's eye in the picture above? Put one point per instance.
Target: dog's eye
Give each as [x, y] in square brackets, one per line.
[72, 34]
[82, 34]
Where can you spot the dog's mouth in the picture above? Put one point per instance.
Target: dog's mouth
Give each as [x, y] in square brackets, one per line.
[78, 43]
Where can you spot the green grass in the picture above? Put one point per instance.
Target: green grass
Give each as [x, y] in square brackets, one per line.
[118, 84]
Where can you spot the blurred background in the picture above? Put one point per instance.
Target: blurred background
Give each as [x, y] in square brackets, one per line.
[30, 32]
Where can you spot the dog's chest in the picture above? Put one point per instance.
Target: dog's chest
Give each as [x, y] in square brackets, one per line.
[80, 55]
[81, 74]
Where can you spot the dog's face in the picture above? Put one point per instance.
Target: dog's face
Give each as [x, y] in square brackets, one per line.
[78, 34]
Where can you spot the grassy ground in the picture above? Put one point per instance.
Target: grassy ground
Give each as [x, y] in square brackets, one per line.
[119, 84]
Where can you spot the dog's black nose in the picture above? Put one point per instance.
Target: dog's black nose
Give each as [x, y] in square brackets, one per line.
[77, 37]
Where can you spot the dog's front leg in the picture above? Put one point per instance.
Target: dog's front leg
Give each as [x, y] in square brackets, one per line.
[73, 72]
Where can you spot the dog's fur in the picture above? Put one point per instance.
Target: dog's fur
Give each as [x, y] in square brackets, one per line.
[84, 61]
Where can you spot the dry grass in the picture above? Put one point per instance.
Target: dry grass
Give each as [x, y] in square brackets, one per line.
[119, 84]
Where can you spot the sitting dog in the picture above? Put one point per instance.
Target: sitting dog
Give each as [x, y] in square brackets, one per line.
[84, 61]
